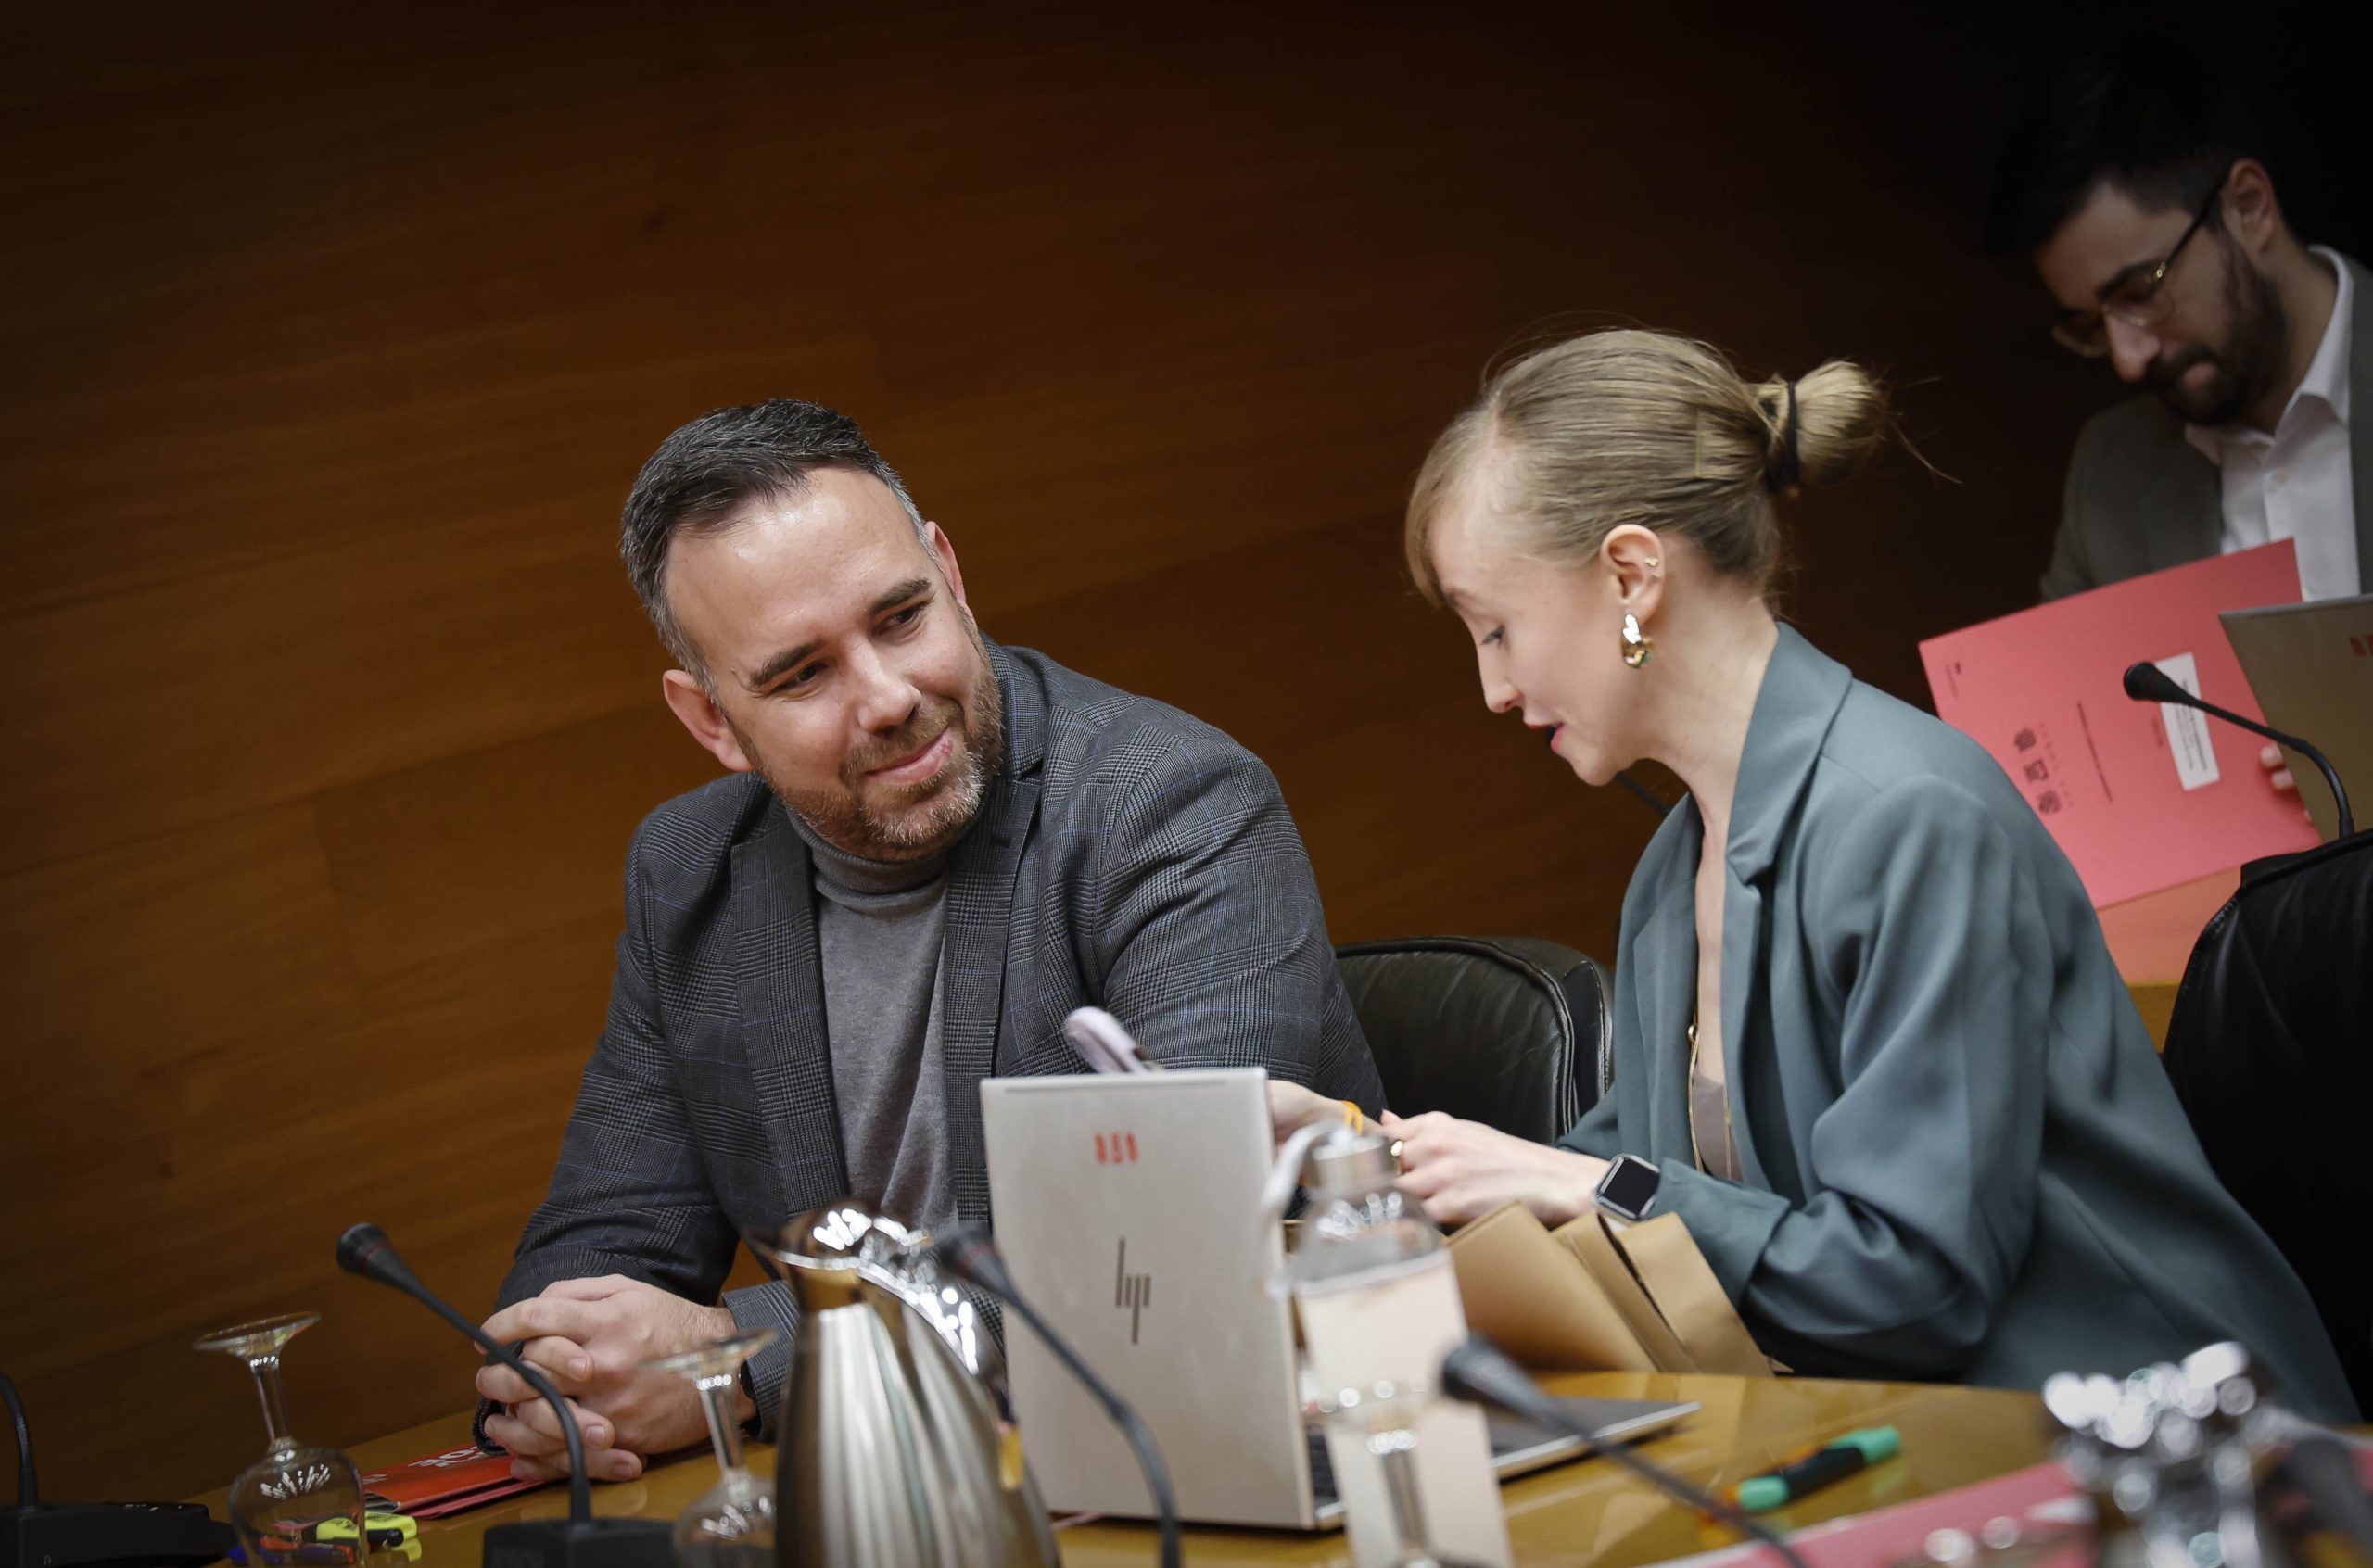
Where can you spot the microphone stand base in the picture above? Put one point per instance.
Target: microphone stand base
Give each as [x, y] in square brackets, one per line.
[58, 1535]
[581, 1543]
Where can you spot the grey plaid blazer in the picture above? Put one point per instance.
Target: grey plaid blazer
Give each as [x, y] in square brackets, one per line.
[1127, 856]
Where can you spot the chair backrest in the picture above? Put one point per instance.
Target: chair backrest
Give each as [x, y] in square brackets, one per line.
[1511, 1032]
[2270, 1047]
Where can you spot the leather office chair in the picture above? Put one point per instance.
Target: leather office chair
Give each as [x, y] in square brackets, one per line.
[1510, 1032]
[2270, 1047]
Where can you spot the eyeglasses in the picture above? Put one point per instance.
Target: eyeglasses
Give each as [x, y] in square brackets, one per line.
[2138, 298]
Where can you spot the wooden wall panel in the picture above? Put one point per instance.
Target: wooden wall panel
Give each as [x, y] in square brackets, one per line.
[335, 339]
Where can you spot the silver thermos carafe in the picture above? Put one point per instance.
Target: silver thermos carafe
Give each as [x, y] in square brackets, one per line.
[894, 1450]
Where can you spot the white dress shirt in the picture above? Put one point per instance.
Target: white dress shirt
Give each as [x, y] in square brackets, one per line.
[2296, 484]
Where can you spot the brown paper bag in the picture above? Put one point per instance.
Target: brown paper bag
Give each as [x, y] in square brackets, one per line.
[1690, 1300]
[1599, 1295]
[1590, 1240]
[1522, 1291]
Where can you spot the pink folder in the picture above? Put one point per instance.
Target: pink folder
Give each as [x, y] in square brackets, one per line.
[2040, 1498]
[2142, 797]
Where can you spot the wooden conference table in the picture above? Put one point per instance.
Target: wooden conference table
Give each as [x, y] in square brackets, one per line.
[1584, 1511]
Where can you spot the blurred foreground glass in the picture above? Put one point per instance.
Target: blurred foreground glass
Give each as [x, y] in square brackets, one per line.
[732, 1524]
[280, 1503]
[1384, 1420]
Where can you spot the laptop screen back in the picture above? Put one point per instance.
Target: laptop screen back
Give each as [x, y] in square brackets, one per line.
[1126, 1209]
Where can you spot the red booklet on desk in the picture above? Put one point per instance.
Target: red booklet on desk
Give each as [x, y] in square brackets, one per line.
[450, 1482]
[2141, 796]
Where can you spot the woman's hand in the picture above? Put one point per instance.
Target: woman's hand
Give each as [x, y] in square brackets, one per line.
[1462, 1171]
[1292, 1107]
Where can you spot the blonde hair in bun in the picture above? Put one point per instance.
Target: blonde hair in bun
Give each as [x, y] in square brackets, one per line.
[1647, 427]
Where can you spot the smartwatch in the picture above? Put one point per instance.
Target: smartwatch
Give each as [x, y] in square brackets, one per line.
[1628, 1191]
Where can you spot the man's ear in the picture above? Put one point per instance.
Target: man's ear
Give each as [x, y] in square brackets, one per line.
[943, 551]
[1634, 559]
[699, 711]
[2251, 210]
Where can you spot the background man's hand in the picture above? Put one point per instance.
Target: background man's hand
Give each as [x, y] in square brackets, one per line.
[590, 1337]
[2277, 772]
[1462, 1171]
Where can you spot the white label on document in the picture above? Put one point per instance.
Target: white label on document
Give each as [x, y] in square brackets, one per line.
[2187, 727]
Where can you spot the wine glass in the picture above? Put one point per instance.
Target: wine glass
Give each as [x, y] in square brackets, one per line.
[279, 1503]
[732, 1524]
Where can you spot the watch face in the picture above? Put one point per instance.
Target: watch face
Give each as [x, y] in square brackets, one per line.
[1630, 1187]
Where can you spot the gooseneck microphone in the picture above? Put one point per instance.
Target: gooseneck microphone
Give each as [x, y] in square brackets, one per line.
[968, 1253]
[365, 1251]
[2146, 682]
[1478, 1372]
[578, 1541]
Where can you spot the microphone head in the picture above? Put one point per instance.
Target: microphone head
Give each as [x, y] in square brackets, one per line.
[2146, 682]
[970, 1253]
[359, 1246]
[1479, 1373]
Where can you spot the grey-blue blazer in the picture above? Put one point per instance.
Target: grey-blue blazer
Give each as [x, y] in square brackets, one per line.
[1127, 856]
[1962, 1159]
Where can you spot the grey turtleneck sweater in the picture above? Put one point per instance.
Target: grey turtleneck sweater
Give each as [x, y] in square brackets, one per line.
[877, 926]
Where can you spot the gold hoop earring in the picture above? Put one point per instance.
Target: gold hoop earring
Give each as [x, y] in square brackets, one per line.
[1638, 647]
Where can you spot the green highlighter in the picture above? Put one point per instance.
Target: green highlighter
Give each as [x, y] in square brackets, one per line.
[1855, 1452]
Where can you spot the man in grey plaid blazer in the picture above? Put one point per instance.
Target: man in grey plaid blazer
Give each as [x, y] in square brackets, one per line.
[1098, 849]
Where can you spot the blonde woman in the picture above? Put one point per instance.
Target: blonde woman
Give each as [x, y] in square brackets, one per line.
[1869, 1044]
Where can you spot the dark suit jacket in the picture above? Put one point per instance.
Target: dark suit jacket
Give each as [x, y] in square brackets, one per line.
[1126, 856]
[2141, 497]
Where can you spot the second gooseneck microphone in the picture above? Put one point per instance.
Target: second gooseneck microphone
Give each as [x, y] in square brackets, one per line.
[2146, 682]
[968, 1253]
[1477, 1371]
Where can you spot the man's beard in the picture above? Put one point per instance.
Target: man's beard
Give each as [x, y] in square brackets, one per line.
[2249, 365]
[913, 821]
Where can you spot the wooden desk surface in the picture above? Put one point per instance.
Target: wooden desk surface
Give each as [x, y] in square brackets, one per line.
[1580, 1512]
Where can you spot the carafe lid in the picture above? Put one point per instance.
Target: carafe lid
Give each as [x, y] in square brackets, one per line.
[827, 1253]
[842, 1235]
[1352, 1162]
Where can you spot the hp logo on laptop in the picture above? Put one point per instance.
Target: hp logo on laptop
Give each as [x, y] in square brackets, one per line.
[1131, 1292]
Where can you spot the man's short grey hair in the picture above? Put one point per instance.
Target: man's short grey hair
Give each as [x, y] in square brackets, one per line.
[702, 477]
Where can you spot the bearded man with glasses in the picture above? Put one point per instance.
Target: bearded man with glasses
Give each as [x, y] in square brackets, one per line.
[2138, 184]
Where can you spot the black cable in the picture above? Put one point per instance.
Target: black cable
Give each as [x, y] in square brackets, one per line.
[1478, 1373]
[969, 1255]
[27, 1481]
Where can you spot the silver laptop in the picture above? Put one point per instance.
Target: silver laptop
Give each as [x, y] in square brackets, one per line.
[1126, 1209]
[2311, 668]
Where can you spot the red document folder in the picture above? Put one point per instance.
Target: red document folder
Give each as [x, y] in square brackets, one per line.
[2141, 797]
[435, 1485]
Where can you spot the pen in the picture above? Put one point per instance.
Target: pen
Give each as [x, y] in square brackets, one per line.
[1855, 1452]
